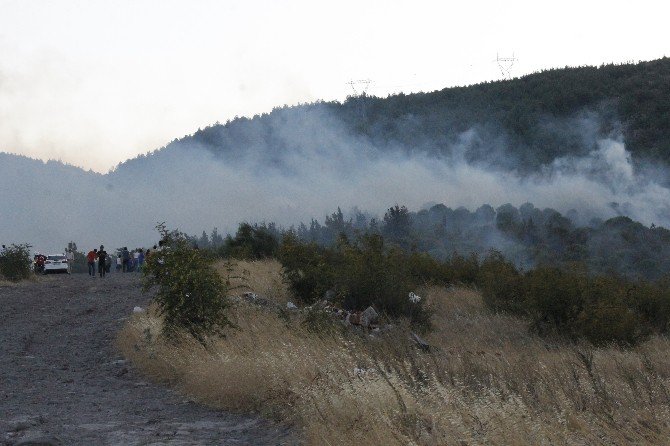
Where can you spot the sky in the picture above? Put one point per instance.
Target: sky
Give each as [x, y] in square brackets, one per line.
[93, 83]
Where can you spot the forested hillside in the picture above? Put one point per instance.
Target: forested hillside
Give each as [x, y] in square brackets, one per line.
[521, 123]
[595, 140]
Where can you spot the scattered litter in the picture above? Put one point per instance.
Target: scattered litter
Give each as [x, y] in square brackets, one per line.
[291, 306]
[138, 310]
[250, 295]
[414, 298]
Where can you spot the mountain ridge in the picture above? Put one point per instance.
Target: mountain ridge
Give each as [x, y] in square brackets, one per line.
[298, 163]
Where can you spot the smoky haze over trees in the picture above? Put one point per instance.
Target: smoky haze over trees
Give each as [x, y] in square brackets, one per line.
[595, 140]
[527, 236]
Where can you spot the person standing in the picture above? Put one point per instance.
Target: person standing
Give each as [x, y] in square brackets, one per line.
[119, 263]
[140, 261]
[90, 257]
[102, 261]
[70, 260]
[126, 258]
[136, 260]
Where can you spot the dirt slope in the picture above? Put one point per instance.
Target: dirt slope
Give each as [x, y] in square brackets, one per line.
[62, 381]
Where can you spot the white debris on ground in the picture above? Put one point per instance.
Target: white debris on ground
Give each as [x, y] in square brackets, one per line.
[414, 298]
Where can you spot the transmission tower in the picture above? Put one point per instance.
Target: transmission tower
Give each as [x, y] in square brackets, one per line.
[362, 85]
[505, 64]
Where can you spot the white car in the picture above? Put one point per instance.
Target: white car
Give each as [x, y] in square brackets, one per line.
[55, 263]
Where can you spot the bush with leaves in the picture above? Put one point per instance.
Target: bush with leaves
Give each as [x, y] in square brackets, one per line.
[190, 294]
[501, 285]
[601, 309]
[15, 262]
[307, 268]
[362, 274]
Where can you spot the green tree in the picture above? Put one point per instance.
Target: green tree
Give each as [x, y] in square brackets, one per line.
[15, 262]
[190, 294]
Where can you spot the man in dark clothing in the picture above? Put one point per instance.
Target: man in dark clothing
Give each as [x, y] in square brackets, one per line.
[102, 259]
[125, 256]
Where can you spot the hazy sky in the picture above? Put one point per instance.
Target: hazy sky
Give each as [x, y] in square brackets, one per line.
[95, 82]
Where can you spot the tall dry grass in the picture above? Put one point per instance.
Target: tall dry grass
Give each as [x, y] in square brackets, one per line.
[486, 380]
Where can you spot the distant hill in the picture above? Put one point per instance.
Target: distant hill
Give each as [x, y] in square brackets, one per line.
[592, 139]
[522, 123]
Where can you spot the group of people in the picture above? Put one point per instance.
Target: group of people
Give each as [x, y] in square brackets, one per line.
[125, 261]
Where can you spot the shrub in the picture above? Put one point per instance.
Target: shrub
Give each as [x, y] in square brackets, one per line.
[501, 285]
[307, 268]
[15, 262]
[190, 294]
[600, 309]
[607, 322]
[251, 242]
[463, 270]
[361, 274]
[553, 297]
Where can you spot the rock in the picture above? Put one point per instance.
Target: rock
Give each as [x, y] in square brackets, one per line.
[423, 345]
[330, 295]
[369, 317]
[354, 318]
[138, 310]
[291, 306]
[255, 299]
[39, 441]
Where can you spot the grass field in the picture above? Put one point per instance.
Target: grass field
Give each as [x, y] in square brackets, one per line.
[485, 380]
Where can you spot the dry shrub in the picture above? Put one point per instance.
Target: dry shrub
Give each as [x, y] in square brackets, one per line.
[486, 379]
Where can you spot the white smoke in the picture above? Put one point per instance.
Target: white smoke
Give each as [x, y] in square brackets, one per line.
[322, 167]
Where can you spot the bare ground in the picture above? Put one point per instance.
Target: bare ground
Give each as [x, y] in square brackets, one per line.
[63, 382]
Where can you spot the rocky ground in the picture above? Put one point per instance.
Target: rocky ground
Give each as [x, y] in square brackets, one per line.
[63, 382]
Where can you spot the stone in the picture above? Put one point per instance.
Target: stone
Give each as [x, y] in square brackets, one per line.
[291, 306]
[423, 345]
[256, 299]
[138, 310]
[369, 317]
[330, 295]
[354, 318]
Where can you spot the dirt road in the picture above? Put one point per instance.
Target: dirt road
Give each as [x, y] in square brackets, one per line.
[62, 382]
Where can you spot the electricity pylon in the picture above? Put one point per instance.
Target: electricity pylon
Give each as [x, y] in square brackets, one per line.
[505, 64]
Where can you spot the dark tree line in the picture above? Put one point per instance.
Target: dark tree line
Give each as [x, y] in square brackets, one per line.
[527, 236]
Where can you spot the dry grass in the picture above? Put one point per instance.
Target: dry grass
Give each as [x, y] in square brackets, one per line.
[8, 283]
[485, 381]
[261, 277]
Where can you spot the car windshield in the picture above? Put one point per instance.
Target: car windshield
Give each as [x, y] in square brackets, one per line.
[56, 258]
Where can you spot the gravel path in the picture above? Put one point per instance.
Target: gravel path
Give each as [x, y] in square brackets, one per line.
[62, 382]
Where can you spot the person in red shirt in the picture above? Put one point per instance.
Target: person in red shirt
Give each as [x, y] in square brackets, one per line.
[39, 263]
[91, 257]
